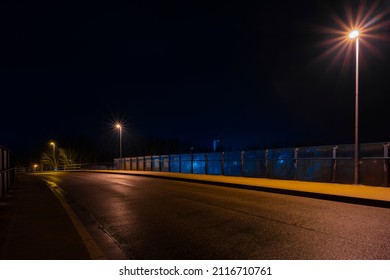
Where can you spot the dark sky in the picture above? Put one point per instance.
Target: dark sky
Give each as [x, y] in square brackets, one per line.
[246, 71]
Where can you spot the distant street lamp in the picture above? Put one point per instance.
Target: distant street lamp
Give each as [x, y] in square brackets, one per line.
[354, 35]
[118, 126]
[54, 154]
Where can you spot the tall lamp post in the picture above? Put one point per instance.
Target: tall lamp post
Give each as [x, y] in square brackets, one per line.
[354, 35]
[118, 126]
[54, 154]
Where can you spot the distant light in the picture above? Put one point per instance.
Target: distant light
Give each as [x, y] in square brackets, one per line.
[354, 34]
[52, 143]
[118, 126]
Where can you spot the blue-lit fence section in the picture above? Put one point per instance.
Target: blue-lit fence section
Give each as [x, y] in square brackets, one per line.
[7, 171]
[319, 164]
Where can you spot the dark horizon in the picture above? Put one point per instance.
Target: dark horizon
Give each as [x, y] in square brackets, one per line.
[188, 73]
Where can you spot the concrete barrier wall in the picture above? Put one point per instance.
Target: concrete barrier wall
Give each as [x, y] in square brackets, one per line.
[319, 164]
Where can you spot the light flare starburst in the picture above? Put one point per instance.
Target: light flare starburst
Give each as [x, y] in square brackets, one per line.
[366, 22]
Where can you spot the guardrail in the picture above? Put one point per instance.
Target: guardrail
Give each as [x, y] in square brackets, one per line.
[68, 167]
[7, 171]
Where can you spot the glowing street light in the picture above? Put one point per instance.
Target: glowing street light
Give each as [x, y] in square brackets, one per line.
[363, 27]
[119, 126]
[354, 35]
[54, 154]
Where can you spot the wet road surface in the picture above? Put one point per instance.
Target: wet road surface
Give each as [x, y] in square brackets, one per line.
[165, 219]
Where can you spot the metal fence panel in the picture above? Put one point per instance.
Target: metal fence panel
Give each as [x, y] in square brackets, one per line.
[148, 163]
[344, 171]
[281, 164]
[165, 163]
[186, 163]
[214, 165]
[315, 164]
[232, 164]
[199, 164]
[373, 166]
[320, 170]
[155, 163]
[344, 164]
[174, 163]
[372, 172]
[134, 163]
[141, 163]
[127, 164]
[254, 163]
[281, 169]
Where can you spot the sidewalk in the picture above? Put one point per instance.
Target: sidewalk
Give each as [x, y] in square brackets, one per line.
[357, 194]
[35, 226]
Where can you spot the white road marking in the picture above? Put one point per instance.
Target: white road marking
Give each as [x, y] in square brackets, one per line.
[93, 249]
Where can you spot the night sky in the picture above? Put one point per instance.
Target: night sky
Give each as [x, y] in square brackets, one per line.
[250, 72]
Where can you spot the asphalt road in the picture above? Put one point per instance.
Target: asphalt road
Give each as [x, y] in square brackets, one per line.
[166, 219]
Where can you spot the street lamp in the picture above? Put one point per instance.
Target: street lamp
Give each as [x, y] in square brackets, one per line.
[118, 126]
[54, 154]
[368, 23]
[354, 35]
